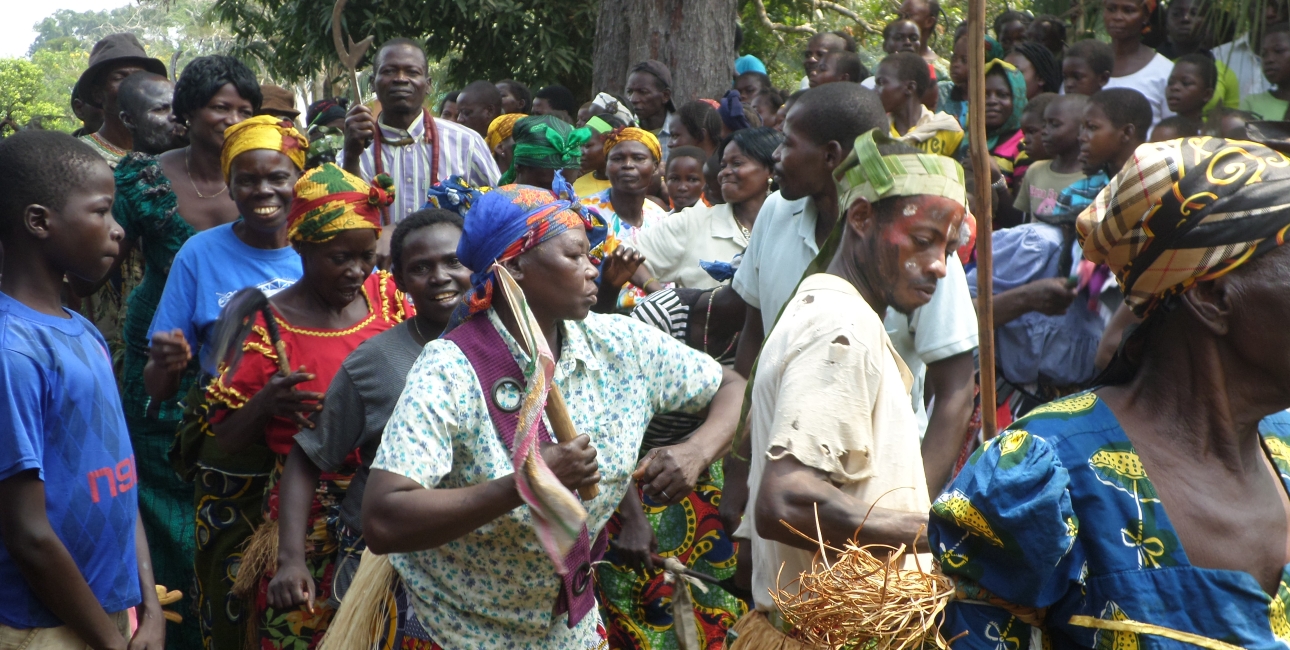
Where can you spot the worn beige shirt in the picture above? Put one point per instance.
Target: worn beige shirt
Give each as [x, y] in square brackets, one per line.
[674, 246]
[832, 392]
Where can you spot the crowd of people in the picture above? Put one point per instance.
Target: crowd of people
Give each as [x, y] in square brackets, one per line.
[524, 372]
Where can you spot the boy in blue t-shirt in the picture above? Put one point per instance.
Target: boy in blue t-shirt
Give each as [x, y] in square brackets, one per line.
[73, 557]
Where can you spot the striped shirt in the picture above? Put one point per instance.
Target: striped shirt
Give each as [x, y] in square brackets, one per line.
[461, 153]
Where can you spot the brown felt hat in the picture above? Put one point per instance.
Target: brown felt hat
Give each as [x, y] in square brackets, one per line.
[115, 49]
[278, 101]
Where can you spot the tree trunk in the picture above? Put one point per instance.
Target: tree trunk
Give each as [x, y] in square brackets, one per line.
[694, 38]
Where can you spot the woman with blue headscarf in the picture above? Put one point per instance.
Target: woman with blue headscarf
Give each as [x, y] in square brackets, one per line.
[450, 497]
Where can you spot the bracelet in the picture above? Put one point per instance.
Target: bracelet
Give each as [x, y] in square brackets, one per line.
[651, 279]
[1001, 184]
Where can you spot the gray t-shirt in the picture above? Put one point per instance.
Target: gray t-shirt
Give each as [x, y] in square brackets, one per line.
[359, 402]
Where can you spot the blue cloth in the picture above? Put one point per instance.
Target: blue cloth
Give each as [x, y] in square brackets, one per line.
[1079, 195]
[731, 111]
[207, 271]
[749, 63]
[1058, 513]
[1061, 349]
[61, 416]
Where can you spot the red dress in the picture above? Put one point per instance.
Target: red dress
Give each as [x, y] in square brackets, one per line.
[321, 352]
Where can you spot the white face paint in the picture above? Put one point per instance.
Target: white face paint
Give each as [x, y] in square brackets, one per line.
[911, 210]
[910, 265]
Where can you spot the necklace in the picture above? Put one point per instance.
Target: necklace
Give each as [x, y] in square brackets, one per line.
[111, 148]
[417, 326]
[708, 319]
[188, 153]
[430, 136]
[747, 232]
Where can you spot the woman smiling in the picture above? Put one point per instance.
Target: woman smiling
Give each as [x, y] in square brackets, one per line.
[261, 160]
[337, 304]
[674, 248]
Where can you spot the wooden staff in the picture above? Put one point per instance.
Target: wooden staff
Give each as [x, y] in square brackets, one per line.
[985, 216]
[350, 56]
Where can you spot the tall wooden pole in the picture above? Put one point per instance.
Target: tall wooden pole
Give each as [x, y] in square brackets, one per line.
[985, 216]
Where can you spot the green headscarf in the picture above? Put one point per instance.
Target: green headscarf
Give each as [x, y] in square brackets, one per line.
[545, 142]
[1017, 84]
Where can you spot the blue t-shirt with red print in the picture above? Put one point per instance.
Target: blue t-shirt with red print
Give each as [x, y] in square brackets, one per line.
[60, 415]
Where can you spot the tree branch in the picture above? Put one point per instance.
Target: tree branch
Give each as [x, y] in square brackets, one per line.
[804, 28]
[837, 8]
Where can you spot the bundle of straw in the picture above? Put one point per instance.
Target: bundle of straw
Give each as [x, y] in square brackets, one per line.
[859, 600]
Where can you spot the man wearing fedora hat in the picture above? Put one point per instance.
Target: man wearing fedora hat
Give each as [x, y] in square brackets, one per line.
[649, 89]
[113, 59]
[279, 102]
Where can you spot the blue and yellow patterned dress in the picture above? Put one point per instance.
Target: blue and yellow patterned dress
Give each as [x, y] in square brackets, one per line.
[1058, 513]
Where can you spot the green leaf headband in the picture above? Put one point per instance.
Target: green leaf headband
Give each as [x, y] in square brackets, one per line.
[868, 174]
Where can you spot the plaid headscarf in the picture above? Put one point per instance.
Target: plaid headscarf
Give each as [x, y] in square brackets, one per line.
[1187, 211]
[263, 132]
[509, 221]
[329, 200]
[501, 128]
[613, 138]
[546, 142]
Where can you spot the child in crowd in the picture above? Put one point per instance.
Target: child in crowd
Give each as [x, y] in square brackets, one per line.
[1032, 127]
[1272, 104]
[1172, 128]
[1087, 66]
[1045, 180]
[838, 66]
[767, 103]
[73, 556]
[1191, 85]
[901, 81]
[1048, 309]
[684, 178]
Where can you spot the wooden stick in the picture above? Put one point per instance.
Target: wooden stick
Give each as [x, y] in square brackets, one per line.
[563, 430]
[984, 218]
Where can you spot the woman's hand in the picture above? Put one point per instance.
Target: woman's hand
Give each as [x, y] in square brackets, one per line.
[170, 351]
[151, 633]
[669, 474]
[279, 397]
[573, 462]
[291, 587]
[620, 265]
[635, 544]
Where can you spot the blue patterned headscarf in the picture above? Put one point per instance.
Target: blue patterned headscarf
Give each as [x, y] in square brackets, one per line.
[507, 222]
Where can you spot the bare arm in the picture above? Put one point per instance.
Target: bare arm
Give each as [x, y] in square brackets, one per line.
[402, 516]
[168, 356]
[951, 381]
[1050, 296]
[151, 634]
[790, 492]
[45, 564]
[292, 585]
[675, 470]
[750, 340]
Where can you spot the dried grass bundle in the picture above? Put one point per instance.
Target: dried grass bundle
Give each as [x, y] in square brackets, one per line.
[860, 600]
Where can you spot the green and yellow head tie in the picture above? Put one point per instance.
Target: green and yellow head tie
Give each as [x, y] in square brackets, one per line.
[328, 200]
[868, 174]
[545, 142]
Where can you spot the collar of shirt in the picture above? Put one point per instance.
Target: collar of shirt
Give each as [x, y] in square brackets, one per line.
[575, 350]
[806, 217]
[721, 223]
[416, 131]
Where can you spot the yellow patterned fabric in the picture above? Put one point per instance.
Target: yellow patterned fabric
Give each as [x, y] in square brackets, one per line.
[500, 128]
[263, 132]
[631, 133]
[328, 200]
[1187, 211]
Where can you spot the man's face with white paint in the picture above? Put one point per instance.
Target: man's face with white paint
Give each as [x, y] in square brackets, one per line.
[907, 246]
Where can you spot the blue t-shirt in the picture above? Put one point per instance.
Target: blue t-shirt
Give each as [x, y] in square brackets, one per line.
[210, 267]
[61, 416]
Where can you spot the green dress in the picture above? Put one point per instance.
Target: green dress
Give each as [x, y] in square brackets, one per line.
[148, 211]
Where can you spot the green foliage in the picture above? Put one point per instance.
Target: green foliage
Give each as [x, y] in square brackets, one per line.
[535, 41]
[21, 96]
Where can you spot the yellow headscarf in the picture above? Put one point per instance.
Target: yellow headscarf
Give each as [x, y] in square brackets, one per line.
[613, 138]
[263, 132]
[328, 200]
[500, 128]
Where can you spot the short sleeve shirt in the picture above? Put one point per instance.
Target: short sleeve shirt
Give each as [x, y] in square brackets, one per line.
[60, 415]
[781, 247]
[495, 587]
[674, 247]
[831, 391]
[359, 402]
[1040, 188]
[212, 266]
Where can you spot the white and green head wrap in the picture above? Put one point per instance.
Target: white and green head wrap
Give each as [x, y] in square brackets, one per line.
[867, 174]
